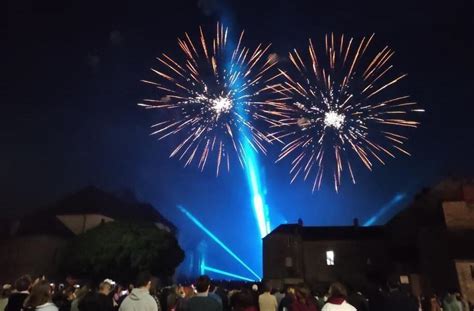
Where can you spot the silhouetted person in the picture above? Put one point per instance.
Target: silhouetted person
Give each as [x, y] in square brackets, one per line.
[63, 299]
[287, 301]
[397, 299]
[5, 293]
[304, 301]
[243, 301]
[357, 299]
[337, 299]
[266, 301]
[140, 298]
[40, 298]
[16, 300]
[450, 302]
[100, 300]
[202, 301]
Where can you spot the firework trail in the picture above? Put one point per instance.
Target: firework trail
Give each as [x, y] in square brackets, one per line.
[341, 105]
[212, 98]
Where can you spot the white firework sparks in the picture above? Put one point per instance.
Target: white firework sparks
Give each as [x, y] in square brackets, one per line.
[334, 119]
[214, 96]
[340, 107]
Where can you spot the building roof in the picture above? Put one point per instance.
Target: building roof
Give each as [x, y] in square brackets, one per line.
[89, 200]
[331, 233]
[92, 200]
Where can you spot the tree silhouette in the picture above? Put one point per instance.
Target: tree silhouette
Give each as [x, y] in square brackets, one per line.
[120, 250]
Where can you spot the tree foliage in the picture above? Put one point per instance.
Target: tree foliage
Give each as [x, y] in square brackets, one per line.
[121, 250]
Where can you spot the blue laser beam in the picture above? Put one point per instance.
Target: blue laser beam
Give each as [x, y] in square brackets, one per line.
[216, 239]
[385, 209]
[222, 272]
[253, 179]
[252, 171]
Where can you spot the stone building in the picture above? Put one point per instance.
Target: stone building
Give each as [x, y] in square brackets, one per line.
[293, 254]
[429, 246]
[32, 243]
[433, 239]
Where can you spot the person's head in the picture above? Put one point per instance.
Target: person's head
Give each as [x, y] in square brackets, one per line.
[105, 288]
[188, 292]
[255, 287]
[302, 293]
[82, 291]
[459, 296]
[23, 283]
[245, 298]
[337, 290]
[172, 299]
[6, 291]
[40, 294]
[144, 280]
[290, 290]
[70, 293]
[267, 287]
[154, 286]
[202, 284]
[180, 291]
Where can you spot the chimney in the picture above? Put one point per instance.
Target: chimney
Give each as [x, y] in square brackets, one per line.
[355, 222]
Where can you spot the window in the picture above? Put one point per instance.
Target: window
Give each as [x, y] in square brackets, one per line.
[404, 279]
[330, 258]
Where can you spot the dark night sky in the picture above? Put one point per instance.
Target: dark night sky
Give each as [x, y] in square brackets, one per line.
[70, 117]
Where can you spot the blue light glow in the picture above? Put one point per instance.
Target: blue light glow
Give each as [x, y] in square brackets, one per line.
[202, 267]
[215, 239]
[385, 209]
[250, 158]
[205, 268]
[253, 178]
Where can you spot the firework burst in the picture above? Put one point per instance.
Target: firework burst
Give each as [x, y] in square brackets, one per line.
[212, 98]
[341, 105]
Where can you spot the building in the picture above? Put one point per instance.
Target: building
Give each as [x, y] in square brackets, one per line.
[429, 246]
[32, 243]
[320, 255]
[433, 239]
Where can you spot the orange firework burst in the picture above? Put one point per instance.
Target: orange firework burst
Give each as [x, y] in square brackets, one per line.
[212, 98]
[341, 105]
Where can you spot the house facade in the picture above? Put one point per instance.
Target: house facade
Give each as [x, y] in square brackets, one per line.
[320, 255]
[429, 246]
[32, 244]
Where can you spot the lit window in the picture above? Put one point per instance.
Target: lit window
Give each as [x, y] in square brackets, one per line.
[330, 258]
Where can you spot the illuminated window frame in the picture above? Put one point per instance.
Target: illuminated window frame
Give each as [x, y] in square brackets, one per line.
[330, 258]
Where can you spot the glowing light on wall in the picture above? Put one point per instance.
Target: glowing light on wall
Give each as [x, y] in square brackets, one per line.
[385, 209]
[217, 240]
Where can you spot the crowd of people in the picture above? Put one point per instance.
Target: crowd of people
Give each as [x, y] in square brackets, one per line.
[203, 295]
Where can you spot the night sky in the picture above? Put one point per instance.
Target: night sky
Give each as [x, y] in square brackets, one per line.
[70, 117]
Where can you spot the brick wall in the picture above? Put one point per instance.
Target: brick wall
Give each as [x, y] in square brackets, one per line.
[459, 215]
[465, 270]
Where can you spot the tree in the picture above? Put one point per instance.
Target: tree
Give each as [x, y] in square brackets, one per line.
[120, 250]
